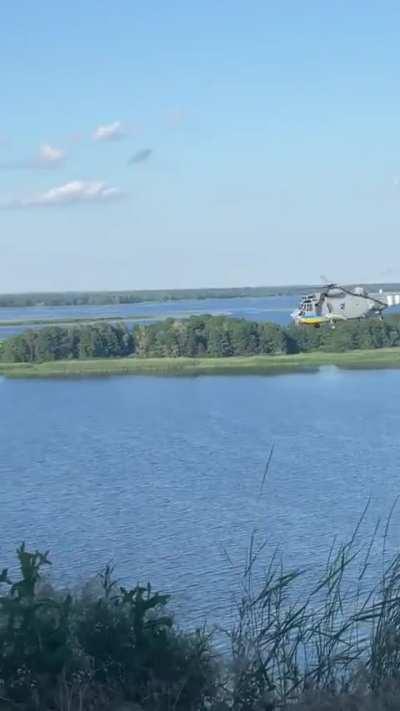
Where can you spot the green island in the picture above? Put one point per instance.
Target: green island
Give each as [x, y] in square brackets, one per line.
[199, 345]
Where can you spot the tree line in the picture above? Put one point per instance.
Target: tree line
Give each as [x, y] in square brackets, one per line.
[197, 336]
[102, 340]
[220, 336]
[97, 298]
[134, 296]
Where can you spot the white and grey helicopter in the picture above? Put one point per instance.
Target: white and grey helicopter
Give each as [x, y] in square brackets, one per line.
[341, 303]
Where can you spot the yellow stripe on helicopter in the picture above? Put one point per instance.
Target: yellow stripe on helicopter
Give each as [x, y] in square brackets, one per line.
[311, 321]
[318, 320]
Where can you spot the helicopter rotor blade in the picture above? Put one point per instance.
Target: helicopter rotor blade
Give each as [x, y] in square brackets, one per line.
[334, 285]
[346, 290]
[324, 280]
[327, 284]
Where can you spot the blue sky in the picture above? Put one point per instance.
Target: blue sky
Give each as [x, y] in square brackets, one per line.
[147, 145]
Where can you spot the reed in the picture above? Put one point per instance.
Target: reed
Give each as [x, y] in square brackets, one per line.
[238, 365]
[327, 640]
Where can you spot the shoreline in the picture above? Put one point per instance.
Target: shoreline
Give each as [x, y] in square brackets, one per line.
[384, 358]
[99, 297]
[71, 321]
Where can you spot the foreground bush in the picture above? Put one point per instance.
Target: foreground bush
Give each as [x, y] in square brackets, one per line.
[62, 652]
[331, 645]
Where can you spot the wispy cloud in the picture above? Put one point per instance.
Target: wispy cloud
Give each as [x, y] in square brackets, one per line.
[72, 193]
[48, 157]
[111, 132]
[140, 156]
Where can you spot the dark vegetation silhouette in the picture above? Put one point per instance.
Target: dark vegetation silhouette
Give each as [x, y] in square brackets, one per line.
[96, 298]
[332, 643]
[134, 296]
[197, 336]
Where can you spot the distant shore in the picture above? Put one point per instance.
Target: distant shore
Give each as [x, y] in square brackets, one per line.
[70, 321]
[136, 296]
[103, 298]
[252, 365]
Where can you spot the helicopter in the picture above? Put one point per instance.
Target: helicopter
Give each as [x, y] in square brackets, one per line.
[341, 303]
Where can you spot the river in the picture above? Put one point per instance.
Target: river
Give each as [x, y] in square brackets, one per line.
[272, 308]
[163, 475]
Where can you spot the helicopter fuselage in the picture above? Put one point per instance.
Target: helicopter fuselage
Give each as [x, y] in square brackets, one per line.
[336, 304]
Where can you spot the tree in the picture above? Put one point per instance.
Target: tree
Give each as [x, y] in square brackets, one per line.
[243, 336]
[53, 343]
[19, 349]
[302, 339]
[192, 336]
[218, 337]
[272, 338]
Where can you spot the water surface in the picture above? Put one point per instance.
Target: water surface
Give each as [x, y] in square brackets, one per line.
[273, 308]
[163, 474]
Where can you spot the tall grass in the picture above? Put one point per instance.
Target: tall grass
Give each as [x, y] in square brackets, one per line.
[238, 365]
[340, 637]
[328, 642]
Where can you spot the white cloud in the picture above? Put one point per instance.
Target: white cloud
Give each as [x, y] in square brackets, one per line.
[111, 132]
[49, 155]
[72, 193]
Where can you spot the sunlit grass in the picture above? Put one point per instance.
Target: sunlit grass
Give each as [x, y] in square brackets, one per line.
[263, 364]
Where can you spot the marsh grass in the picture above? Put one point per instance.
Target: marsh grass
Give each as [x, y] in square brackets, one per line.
[326, 640]
[238, 365]
[336, 641]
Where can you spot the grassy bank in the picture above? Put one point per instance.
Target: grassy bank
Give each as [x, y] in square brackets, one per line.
[268, 365]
